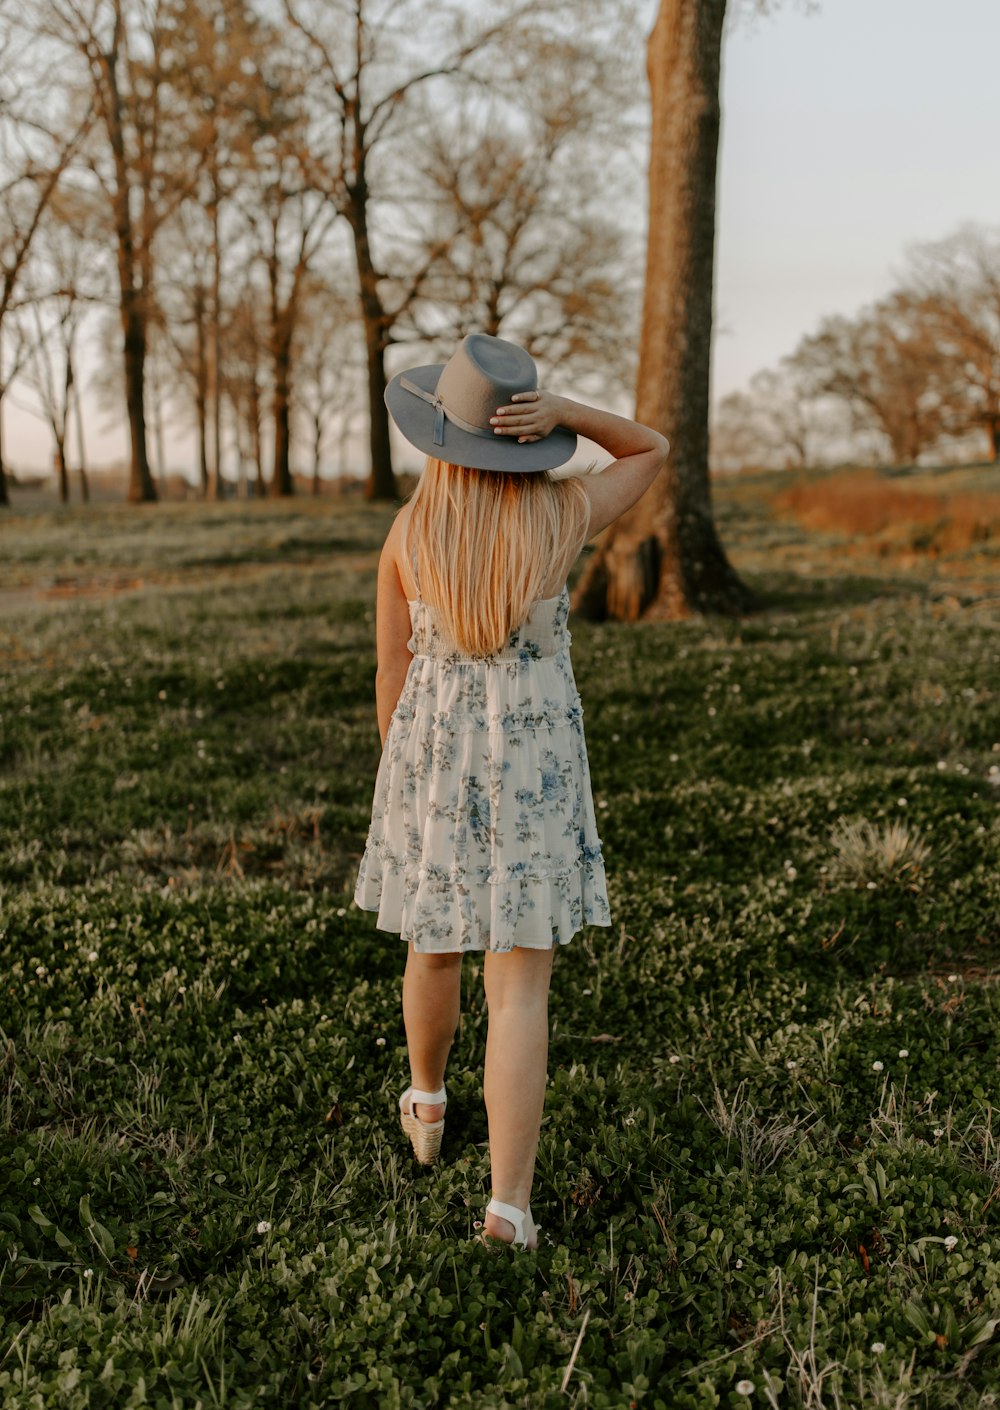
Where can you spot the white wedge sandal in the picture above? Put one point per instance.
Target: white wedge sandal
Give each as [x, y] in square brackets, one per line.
[425, 1136]
[520, 1218]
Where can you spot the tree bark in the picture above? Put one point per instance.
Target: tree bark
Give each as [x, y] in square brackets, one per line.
[4, 494]
[663, 558]
[281, 478]
[381, 480]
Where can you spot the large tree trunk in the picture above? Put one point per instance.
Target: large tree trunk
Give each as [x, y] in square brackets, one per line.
[663, 558]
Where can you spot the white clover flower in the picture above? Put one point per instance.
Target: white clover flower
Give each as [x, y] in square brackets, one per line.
[950, 1242]
[711, 709]
[900, 802]
[674, 1057]
[877, 1066]
[41, 971]
[162, 695]
[380, 1042]
[92, 956]
[263, 1226]
[745, 1387]
[629, 1120]
[739, 1263]
[588, 991]
[938, 1132]
[37, 1180]
[236, 1038]
[791, 873]
[904, 1052]
[878, 1347]
[791, 1063]
[674, 758]
[942, 763]
[952, 978]
[342, 910]
[873, 886]
[88, 1272]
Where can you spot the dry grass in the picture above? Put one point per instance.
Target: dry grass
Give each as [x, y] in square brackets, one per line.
[863, 502]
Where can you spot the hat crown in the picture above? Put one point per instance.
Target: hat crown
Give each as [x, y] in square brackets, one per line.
[483, 373]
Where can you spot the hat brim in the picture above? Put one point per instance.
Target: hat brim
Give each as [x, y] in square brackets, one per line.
[415, 419]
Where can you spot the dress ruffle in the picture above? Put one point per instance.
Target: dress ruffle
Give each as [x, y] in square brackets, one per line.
[483, 832]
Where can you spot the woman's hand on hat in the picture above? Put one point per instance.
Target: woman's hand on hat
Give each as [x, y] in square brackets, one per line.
[530, 416]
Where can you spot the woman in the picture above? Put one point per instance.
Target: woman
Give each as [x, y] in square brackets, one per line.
[483, 834]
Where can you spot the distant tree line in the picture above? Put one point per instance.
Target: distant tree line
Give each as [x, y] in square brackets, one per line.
[250, 202]
[915, 376]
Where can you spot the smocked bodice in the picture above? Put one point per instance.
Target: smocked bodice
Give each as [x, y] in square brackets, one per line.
[543, 633]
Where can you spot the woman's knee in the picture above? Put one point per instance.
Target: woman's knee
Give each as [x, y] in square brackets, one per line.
[517, 976]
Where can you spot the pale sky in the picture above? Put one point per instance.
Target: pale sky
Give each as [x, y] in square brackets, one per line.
[847, 134]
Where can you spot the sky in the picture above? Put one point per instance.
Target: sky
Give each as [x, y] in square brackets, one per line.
[848, 133]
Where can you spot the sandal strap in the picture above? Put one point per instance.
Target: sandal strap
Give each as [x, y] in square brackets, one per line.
[428, 1098]
[513, 1216]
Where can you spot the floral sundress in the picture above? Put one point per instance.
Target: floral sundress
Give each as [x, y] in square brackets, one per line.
[483, 834]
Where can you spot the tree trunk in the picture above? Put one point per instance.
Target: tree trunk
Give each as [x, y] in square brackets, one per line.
[381, 480]
[281, 479]
[80, 448]
[62, 471]
[141, 489]
[995, 439]
[4, 495]
[219, 489]
[663, 559]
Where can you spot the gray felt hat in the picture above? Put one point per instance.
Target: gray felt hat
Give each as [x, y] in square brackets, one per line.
[444, 409]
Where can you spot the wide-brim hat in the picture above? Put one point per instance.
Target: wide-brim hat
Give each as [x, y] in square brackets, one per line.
[444, 409]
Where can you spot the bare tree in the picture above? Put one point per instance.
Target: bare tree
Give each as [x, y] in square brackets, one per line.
[514, 240]
[371, 60]
[882, 366]
[776, 423]
[34, 156]
[68, 280]
[951, 288]
[330, 363]
[124, 55]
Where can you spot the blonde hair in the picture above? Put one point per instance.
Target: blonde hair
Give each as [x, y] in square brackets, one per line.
[488, 544]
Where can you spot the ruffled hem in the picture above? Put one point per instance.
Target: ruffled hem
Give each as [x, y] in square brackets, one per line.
[445, 912]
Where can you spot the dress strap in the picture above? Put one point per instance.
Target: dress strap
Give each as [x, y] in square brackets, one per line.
[411, 559]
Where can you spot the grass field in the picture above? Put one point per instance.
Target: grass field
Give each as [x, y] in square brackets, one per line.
[769, 1170]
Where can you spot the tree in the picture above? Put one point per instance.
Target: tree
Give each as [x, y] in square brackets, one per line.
[882, 366]
[68, 279]
[952, 289]
[35, 153]
[515, 241]
[330, 361]
[664, 558]
[125, 55]
[372, 62]
[777, 423]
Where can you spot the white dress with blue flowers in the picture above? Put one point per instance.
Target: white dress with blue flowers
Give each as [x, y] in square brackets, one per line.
[483, 834]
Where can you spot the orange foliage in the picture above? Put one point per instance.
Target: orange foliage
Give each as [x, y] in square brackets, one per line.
[864, 502]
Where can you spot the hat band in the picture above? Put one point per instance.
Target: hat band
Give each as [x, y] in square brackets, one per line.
[441, 411]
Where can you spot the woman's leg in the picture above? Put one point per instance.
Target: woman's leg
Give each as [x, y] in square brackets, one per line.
[432, 992]
[517, 1049]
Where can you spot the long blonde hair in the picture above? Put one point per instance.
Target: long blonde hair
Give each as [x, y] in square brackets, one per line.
[488, 543]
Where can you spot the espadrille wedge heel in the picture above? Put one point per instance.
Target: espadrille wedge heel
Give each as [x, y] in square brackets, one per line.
[425, 1136]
